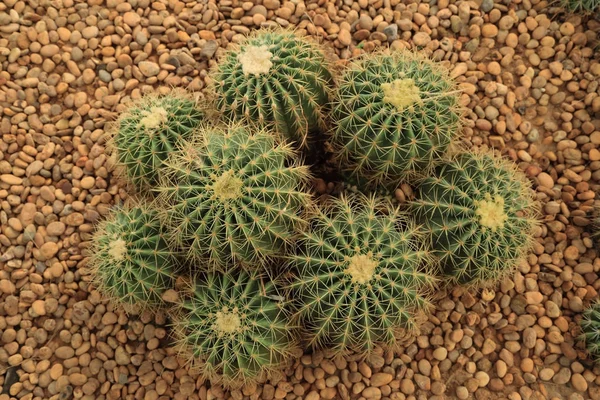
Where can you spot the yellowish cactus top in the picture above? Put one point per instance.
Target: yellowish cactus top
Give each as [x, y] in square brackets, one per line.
[256, 60]
[491, 212]
[361, 268]
[401, 93]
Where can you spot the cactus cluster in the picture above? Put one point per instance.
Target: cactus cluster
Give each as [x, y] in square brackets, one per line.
[235, 196]
[277, 79]
[363, 275]
[238, 209]
[590, 327]
[150, 130]
[394, 114]
[131, 259]
[480, 212]
[234, 327]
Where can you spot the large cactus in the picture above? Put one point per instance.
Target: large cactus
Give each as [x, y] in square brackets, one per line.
[394, 114]
[236, 196]
[235, 328]
[147, 132]
[363, 275]
[585, 7]
[480, 212]
[275, 78]
[130, 258]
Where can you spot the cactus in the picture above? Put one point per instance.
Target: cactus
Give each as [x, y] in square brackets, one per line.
[275, 78]
[581, 6]
[363, 276]
[234, 328]
[590, 327]
[236, 195]
[149, 130]
[130, 259]
[480, 212]
[394, 114]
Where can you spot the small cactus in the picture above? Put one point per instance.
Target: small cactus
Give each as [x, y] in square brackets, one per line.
[236, 195]
[394, 114]
[234, 328]
[130, 259]
[480, 212]
[363, 276]
[275, 78]
[149, 130]
[590, 326]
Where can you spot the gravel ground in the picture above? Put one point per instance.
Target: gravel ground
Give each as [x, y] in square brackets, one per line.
[68, 67]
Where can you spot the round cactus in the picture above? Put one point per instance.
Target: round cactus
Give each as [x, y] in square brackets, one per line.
[363, 275]
[275, 78]
[130, 258]
[234, 328]
[236, 196]
[590, 326]
[480, 212]
[394, 114]
[150, 130]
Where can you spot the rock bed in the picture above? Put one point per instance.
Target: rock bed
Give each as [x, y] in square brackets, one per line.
[530, 81]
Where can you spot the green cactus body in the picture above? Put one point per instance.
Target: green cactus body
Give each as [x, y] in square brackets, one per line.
[363, 276]
[393, 115]
[590, 327]
[235, 328]
[235, 195]
[130, 258]
[275, 78]
[150, 130]
[480, 212]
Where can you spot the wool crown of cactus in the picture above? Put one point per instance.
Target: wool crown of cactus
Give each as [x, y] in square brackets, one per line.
[149, 130]
[394, 114]
[130, 258]
[362, 275]
[590, 327]
[236, 195]
[275, 78]
[235, 328]
[480, 212]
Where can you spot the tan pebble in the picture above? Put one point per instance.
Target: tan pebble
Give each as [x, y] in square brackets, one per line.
[64, 352]
[372, 393]
[529, 338]
[440, 353]
[494, 68]
[132, 19]
[344, 37]
[489, 346]
[7, 287]
[39, 307]
[149, 68]
[56, 371]
[88, 182]
[11, 179]
[407, 386]
[545, 180]
[546, 374]
[483, 378]
[380, 379]
[462, 393]
[527, 365]
[48, 250]
[421, 38]
[489, 31]
[579, 383]
[314, 395]
[77, 379]
[534, 297]
[55, 228]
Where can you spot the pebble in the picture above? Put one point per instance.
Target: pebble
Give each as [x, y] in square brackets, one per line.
[149, 68]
